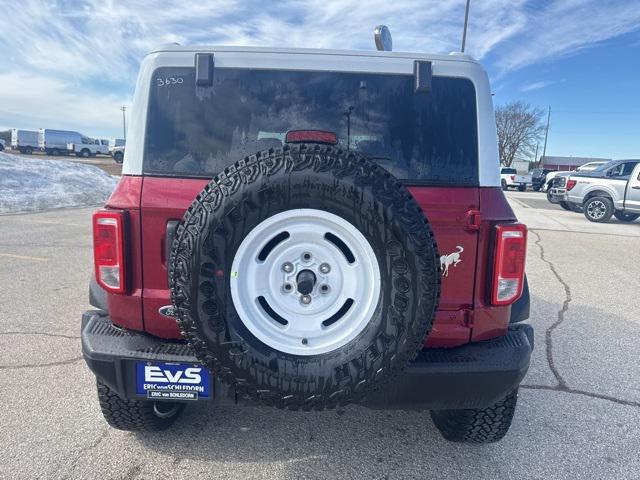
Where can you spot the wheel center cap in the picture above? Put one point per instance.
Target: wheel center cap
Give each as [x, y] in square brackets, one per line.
[306, 280]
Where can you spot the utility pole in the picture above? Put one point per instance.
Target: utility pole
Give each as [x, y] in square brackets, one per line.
[124, 122]
[546, 133]
[535, 158]
[466, 21]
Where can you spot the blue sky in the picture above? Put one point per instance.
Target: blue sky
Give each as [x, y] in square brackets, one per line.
[71, 64]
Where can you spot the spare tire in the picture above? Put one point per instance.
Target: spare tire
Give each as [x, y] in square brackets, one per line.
[305, 276]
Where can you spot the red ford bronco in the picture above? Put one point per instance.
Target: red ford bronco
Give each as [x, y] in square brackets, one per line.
[309, 229]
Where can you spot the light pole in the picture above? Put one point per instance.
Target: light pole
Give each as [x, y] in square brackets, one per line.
[466, 21]
[124, 121]
[546, 134]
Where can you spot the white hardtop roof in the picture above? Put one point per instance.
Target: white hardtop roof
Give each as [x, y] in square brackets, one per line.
[452, 57]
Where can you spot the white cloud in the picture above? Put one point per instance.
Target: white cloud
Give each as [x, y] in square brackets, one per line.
[78, 50]
[538, 85]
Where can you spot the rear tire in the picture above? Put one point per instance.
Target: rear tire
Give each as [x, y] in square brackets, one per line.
[626, 217]
[505, 187]
[475, 425]
[136, 415]
[598, 209]
[566, 206]
[84, 153]
[28, 150]
[118, 157]
[55, 152]
[536, 189]
[522, 188]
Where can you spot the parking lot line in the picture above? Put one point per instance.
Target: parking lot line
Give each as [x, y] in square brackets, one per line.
[24, 257]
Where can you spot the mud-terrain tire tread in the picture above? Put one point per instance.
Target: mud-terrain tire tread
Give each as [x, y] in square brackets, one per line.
[250, 169]
[131, 415]
[473, 425]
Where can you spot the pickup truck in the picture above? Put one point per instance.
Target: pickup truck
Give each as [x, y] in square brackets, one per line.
[509, 178]
[611, 190]
[551, 176]
[88, 147]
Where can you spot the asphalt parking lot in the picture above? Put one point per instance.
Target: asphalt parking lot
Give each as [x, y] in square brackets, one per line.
[577, 415]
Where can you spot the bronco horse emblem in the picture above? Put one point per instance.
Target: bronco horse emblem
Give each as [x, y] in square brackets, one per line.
[452, 259]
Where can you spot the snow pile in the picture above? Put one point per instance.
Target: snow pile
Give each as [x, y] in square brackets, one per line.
[30, 184]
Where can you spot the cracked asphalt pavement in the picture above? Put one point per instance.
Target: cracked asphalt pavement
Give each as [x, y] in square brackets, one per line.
[577, 414]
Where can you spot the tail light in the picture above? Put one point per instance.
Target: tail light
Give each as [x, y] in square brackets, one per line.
[108, 249]
[571, 183]
[508, 272]
[513, 177]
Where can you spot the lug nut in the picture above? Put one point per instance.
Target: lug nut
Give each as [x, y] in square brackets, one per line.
[324, 288]
[287, 267]
[306, 256]
[324, 268]
[305, 299]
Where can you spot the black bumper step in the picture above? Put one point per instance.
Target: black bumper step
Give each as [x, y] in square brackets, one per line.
[472, 376]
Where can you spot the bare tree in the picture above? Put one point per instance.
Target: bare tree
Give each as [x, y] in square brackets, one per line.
[520, 126]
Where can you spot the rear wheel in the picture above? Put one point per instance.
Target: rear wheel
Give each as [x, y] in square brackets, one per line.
[504, 184]
[136, 415]
[522, 188]
[626, 217]
[475, 425]
[85, 153]
[536, 188]
[118, 157]
[598, 209]
[55, 152]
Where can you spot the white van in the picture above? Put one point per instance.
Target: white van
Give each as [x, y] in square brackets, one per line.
[25, 141]
[55, 142]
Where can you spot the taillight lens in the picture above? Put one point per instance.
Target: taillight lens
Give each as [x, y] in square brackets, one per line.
[513, 177]
[508, 272]
[108, 249]
[571, 184]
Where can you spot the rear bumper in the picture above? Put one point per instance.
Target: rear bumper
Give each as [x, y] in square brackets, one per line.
[472, 376]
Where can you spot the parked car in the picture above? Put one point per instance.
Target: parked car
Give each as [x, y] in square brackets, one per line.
[116, 142]
[2, 144]
[118, 154]
[24, 141]
[587, 167]
[297, 265]
[538, 177]
[611, 190]
[56, 142]
[88, 147]
[509, 178]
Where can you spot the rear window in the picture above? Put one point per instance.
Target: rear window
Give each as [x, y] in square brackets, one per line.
[509, 171]
[418, 137]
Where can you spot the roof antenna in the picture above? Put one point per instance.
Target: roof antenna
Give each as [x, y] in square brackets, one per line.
[466, 21]
[382, 36]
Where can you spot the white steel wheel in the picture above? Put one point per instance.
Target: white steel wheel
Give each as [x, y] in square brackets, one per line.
[305, 282]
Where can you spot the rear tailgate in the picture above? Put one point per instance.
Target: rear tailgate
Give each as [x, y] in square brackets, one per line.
[451, 212]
